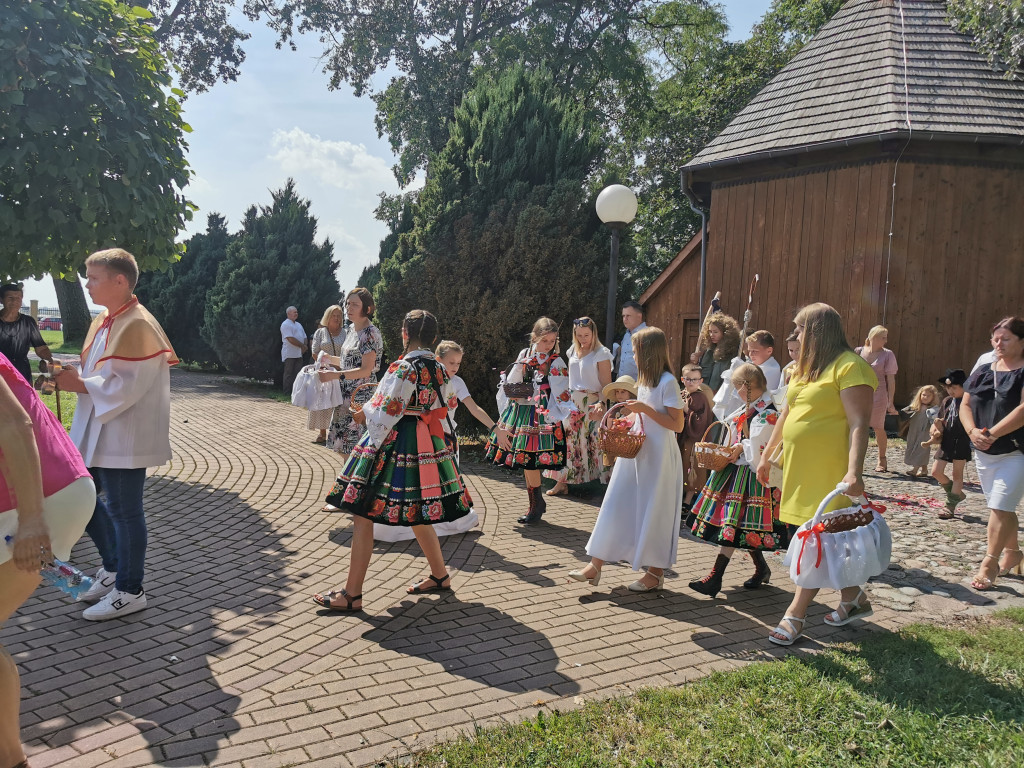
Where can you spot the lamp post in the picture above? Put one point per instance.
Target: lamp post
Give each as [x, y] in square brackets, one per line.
[616, 207]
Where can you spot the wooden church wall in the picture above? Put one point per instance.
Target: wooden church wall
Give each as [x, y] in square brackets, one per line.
[956, 265]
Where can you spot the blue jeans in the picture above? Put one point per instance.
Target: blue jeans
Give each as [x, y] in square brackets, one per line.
[118, 525]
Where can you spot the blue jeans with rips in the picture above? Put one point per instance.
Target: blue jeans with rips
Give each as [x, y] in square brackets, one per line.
[118, 525]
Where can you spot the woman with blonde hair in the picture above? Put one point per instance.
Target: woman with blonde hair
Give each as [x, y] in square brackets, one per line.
[590, 371]
[529, 433]
[720, 340]
[328, 338]
[824, 433]
[639, 517]
[883, 363]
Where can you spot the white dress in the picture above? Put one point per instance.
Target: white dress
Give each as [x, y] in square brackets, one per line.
[393, 533]
[639, 518]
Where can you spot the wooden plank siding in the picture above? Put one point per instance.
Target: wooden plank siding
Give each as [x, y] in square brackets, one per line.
[956, 263]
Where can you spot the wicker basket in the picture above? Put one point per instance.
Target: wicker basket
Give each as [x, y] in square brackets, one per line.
[356, 409]
[520, 390]
[620, 443]
[713, 456]
[849, 520]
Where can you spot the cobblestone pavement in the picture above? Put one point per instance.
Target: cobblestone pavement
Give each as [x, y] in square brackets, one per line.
[233, 665]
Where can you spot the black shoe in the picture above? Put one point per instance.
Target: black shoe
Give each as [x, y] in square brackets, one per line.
[762, 574]
[709, 585]
[537, 507]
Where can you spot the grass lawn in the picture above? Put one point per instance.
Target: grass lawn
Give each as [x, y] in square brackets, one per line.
[925, 696]
[55, 341]
[68, 401]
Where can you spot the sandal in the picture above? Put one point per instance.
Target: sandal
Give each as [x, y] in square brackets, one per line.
[558, 489]
[849, 611]
[415, 589]
[984, 583]
[1017, 568]
[320, 441]
[327, 600]
[946, 514]
[789, 636]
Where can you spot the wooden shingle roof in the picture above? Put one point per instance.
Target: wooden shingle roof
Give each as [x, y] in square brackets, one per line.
[848, 84]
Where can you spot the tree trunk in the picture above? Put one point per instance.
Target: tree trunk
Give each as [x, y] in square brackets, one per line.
[74, 312]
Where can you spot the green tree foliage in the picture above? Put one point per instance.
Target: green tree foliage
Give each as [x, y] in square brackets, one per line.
[702, 81]
[440, 49]
[274, 262]
[93, 151]
[178, 296]
[997, 29]
[505, 229]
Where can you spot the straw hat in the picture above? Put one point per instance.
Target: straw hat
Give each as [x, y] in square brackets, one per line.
[627, 383]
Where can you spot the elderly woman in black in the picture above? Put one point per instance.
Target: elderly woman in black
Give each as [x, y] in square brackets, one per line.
[992, 412]
[18, 332]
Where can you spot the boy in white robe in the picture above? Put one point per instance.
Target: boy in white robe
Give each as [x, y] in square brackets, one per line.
[760, 350]
[121, 426]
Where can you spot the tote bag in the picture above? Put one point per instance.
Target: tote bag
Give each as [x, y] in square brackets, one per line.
[820, 559]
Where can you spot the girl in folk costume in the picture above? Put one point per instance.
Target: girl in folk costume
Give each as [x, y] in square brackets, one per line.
[720, 340]
[402, 471]
[923, 409]
[734, 509]
[590, 371]
[449, 354]
[529, 433]
[639, 518]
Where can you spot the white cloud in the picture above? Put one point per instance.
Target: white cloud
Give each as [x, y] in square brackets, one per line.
[340, 164]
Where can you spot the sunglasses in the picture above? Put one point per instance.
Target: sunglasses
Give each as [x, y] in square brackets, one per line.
[582, 322]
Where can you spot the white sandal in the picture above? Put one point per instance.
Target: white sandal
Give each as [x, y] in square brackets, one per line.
[790, 635]
[849, 611]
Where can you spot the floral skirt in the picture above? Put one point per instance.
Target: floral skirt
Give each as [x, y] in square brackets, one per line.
[387, 485]
[535, 443]
[584, 460]
[735, 510]
[344, 432]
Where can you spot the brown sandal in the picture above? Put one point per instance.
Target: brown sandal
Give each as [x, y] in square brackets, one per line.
[347, 608]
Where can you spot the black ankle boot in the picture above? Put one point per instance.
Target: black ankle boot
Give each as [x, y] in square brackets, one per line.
[537, 506]
[762, 572]
[712, 583]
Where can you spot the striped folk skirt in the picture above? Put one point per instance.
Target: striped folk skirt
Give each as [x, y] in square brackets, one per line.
[536, 444]
[735, 510]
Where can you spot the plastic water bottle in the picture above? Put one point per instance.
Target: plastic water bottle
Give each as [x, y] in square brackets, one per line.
[64, 576]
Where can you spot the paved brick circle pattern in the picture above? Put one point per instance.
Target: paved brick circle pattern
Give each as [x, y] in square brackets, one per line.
[231, 664]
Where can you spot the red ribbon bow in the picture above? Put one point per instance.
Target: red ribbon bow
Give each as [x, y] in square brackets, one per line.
[814, 530]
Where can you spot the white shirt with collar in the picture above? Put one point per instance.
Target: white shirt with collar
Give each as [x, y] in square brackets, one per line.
[291, 328]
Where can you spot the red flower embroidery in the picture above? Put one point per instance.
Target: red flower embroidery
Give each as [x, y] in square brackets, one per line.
[753, 539]
[545, 458]
[772, 417]
[424, 397]
[378, 506]
[377, 400]
[769, 540]
[424, 376]
[394, 366]
[394, 407]
[435, 511]
[728, 533]
[350, 494]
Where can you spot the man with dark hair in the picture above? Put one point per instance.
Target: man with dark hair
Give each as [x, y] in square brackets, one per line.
[18, 332]
[633, 319]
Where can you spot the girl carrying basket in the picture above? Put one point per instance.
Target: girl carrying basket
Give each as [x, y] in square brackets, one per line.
[402, 471]
[735, 510]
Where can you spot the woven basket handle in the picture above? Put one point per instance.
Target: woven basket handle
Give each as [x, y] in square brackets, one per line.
[728, 432]
[604, 419]
[352, 397]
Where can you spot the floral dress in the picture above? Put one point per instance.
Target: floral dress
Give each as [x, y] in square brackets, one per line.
[584, 460]
[344, 433]
[534, 423]
[324, 342]
[734, 509]
[403, 470]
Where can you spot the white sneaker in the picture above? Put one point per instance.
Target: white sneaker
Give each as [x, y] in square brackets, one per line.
[102, 583]
[115, 605]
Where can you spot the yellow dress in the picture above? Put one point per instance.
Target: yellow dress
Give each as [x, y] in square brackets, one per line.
[816, 437]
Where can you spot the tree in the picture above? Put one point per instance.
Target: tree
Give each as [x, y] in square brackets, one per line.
[702, 81]
[178, 296]
[272, 263]
[94, 152]
[997, 29]
[441, 49]
[504, 230]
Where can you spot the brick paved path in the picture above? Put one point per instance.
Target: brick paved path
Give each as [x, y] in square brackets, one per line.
[233, 665]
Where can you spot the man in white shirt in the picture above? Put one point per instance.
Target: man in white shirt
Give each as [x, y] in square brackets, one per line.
[293, 345]
[760, 350]
[121, 426]
[633, 319]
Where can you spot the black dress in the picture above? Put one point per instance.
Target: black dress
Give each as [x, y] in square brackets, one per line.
[994, 394]
[15, 340]
[955, 446]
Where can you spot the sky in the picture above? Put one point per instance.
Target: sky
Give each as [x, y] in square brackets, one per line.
[279, 120]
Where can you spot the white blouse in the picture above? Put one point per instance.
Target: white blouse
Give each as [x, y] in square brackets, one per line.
[583, 370]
